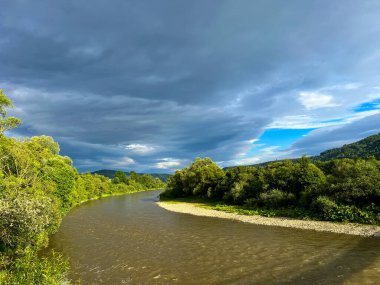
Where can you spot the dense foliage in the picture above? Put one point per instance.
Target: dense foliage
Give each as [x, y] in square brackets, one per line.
[335, 190]
[145, 180]
[111, 173]
[37, 188]
[365, 148]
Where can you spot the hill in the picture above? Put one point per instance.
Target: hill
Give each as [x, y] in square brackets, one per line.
[364, 148]
[110, 174]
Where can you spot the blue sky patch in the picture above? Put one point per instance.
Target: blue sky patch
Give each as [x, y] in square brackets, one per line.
[283, 138]
[368, 106]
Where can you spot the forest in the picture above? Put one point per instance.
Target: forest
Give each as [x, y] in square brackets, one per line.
[38, 187]
[340, 190]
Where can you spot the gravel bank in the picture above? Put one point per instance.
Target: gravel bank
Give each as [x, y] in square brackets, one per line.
[351, 229]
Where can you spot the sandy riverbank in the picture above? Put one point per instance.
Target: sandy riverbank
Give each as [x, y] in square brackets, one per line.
[351, 229]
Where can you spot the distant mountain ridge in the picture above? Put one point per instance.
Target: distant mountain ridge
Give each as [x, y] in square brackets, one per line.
[365, 148]
[110, 174]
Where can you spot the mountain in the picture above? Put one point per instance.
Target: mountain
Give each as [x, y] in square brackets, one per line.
[364, 148]
[110, 173]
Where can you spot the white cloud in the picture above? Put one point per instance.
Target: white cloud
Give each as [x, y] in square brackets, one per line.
[360, 115]
[264, 154]
[121, 162]
[308, 122]
[374, 96]
[140, 148]
[295, 122]
[246, 161]
[315, 100]
[169, 163]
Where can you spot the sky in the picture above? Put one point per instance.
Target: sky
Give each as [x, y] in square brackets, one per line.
[150, 85]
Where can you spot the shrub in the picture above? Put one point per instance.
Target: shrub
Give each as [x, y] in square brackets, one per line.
[26, 220]
[275, 198]
[324, 206]
[329, 210]
[238, 193]
[29, 269]
[354, 182]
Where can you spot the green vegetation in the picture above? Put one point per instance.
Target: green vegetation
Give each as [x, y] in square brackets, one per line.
[37, 188]
[342, 190]
[28, 268]
[365, 148]
[134, 179]
[111, 173]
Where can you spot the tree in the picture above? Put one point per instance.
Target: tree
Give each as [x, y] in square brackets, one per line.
[48, 143]
[120, 177]
[6, 122]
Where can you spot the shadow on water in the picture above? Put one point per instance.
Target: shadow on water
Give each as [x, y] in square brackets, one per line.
[340, 268]
[336, 270]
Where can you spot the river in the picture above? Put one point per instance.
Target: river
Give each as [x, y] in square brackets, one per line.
[130, 240]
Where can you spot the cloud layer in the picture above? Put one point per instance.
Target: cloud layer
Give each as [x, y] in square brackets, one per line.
[150, 85]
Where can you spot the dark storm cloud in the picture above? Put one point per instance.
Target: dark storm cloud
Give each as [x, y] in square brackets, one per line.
[176, 79]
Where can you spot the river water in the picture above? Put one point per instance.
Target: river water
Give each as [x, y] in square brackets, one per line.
[130, 240]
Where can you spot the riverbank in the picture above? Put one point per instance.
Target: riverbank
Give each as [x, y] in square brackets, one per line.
[199, 209]
[113, 194]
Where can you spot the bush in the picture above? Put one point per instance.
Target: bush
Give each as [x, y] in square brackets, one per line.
[354, 182]
[28, 269]
[275, 199]
[331, 211]
[26, 219]
[237, 192]
[324, 206]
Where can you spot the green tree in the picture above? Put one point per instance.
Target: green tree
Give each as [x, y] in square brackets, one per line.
[47, 142]
[6, 122]
[120, 177]
[200, 179]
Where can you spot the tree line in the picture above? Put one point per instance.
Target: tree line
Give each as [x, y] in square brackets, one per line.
[343, 190]
[37, 188]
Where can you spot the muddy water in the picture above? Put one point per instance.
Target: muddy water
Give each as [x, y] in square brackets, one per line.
[130, 240]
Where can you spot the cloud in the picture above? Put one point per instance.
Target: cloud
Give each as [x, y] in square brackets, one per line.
[264, 154]
[308, 122]
[121, 162]
[140, 148]
[205, 83]
[169, 164]
[336, 136]
[313, 100]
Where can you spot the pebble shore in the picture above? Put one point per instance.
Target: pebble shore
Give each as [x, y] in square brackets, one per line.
[351, 229]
